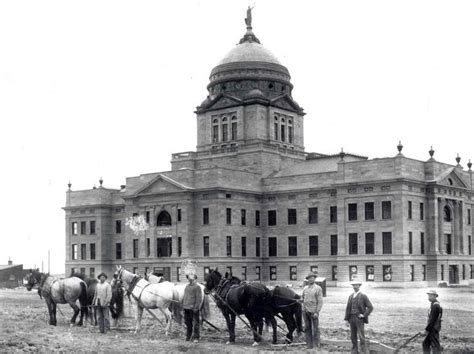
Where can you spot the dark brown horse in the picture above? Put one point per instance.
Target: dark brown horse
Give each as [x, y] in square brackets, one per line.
[236, 298]
[60, 291]
[285, 302]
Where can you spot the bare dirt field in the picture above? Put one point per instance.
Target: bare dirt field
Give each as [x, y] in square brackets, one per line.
[398, 314]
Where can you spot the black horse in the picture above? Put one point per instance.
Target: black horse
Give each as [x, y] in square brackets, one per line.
[251, 299]
[284, 301]
[116, 303]
[60, 291]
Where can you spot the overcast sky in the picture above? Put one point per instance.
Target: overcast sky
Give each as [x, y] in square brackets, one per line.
[108, 88]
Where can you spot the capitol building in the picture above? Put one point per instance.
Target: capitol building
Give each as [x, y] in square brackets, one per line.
[250, 200]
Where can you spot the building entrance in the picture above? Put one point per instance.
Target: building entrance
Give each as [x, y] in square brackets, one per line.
[454, 274]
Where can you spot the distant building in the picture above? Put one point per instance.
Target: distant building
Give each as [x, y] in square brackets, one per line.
[250, 200]
[11, 275]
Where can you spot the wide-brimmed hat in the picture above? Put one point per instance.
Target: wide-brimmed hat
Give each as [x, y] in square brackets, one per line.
[432, 292]
[355, 281]
[311, 274]
[102, 274]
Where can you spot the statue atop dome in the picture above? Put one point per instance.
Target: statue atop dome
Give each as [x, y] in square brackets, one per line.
[248, 19]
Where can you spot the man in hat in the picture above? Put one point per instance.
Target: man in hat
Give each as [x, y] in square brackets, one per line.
[358, 310]
[312, 300]
[191, 303]
[434, 324]
[102, 297]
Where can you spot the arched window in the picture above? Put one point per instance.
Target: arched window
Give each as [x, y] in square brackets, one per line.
[164, 219]
[447, 214]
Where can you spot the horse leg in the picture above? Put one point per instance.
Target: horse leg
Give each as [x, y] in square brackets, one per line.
[50, 312]
[76, 312]
[139, 317]
[256, 324]
[230, 320]
[167, 314]
[290, 324]
[53, 312]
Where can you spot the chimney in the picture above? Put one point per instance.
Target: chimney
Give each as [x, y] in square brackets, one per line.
[10, 261]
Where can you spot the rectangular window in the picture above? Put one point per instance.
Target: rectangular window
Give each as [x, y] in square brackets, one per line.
[228, 216]
[257, 217]
[333, 214]
[135, 248]
[118, 250]
[369, 273]
[92, 250]
[205, 246]
[352, 211]
[83, 251]
[313, 215]
[424, 272]
[333, 245]
[386, 242]
[225, 133]
[334, 272]
[205, 216]
[314, 269]
[448, 243]
[352, 272]
[83, 272]
[92, 227]
[135, 270]
[92, 272]
[422, 211]
[243, 217]
[410, 242]
[442, 271]
[178, 274]
[74, 252]
[164, 247]
[291, 216]
[228, 246]
[243, 241]
[463, 272]
[179, 215]
[387, 272]
[273, 273]
[369, 211]
[118, 226]
[469, 216]
[290, 135]
[257, 247]
[244, 272]
[180, 246]
[83, 227]
[74, 228]
[292, 246]
[215, 133]
[469, 246]
[412, 272]
[282, 133]
[148, 247]
[275, 126]
[422, 243]
[147, 217]
[272, 217]
[410, 210]
[471, 271]
[293, 273]
[233, 131]
[272, 247]
[353, 244]
[257, 272]
[369, 243]
[386, 210]
[313, 246]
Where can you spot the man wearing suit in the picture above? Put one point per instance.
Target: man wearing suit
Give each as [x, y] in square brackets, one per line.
[358, 310]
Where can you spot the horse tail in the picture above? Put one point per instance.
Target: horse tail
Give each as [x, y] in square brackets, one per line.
[205, 307]
[84, 299]
[176, 307]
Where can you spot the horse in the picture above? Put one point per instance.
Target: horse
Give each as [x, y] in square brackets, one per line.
[149, 296]
[116, 303]
[60, 291]
[204, 308]
[91, 287]
[285, 301]
[236, 298]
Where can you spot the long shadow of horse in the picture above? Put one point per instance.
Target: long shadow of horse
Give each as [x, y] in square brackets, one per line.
[235, 298]
[60, 291]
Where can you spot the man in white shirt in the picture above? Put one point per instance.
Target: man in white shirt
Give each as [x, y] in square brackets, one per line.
[102, 297]
[312, 300]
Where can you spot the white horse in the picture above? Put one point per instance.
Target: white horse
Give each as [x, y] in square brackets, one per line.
[160, 296]
[203, 307]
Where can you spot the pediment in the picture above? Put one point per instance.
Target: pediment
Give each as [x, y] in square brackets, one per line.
[223, 101]
[452, 178]
[286, 102]
[162, 184]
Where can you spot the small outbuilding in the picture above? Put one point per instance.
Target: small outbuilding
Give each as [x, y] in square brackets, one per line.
[11, 275]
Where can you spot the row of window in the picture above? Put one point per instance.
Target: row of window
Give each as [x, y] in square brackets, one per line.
[222, 125]
[164, 248]
[83, 227]
[283, 130]
[83, 251]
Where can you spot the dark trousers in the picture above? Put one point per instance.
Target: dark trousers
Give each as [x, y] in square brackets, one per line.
[432, 341]
[311, 328]
[357, 330]
[103, 318]
[191, 319]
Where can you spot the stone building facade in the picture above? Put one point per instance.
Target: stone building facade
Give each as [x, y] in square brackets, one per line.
[250, 200]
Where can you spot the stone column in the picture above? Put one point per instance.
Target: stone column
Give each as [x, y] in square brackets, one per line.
[455, 228]
[440, 248]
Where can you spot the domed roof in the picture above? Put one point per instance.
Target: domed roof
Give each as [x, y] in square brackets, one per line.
[248, 52]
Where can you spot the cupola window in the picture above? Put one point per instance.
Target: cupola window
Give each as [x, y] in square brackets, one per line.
[447, 214]
[215, 131]
[164, 219]
[233, 128]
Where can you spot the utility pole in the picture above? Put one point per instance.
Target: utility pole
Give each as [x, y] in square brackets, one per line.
[42, 271]
[48, 262]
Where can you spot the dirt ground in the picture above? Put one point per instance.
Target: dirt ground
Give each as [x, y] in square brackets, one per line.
[398, 314]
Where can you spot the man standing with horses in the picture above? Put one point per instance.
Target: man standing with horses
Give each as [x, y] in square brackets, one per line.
[191, 302]
[312, 300]
[434, 324]
[102, 297]
[358, 310]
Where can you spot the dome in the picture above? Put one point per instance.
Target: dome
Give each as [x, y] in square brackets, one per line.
[255, 93]
[249, 52]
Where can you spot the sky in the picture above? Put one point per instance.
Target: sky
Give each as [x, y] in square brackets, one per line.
[92, 89]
